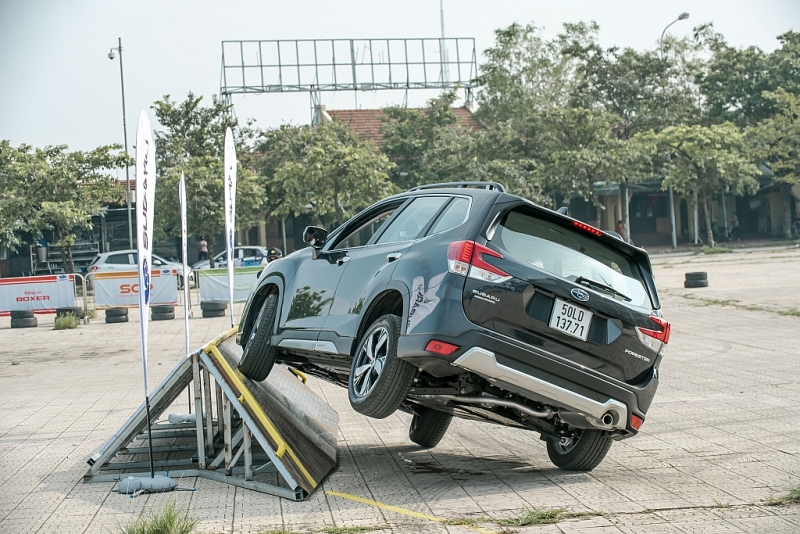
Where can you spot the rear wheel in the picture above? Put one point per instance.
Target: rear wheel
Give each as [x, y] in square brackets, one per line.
[428, 427]
[379, 380]
[583, 452]
[259, 354]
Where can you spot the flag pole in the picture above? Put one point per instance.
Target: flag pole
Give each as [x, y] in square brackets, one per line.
[145, 204]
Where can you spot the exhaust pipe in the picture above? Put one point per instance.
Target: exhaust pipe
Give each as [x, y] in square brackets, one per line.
[544, 413]
[578, 420]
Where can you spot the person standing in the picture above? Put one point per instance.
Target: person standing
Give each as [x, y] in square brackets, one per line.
[202, 249]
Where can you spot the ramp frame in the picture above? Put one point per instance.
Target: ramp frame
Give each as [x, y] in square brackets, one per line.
[232, 439]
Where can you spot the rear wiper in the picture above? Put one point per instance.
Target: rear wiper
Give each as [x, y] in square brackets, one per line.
[594, 284]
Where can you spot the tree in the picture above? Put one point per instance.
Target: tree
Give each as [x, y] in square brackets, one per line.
[192, 140]
[16, 206]
[738, 81]
[335, 173]
[409, 134]
[703, 161]
[525, 73]
[53, 188]
[777, 142]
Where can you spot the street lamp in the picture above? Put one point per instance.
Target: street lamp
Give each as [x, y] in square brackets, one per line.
[682, 16]
[111, 55]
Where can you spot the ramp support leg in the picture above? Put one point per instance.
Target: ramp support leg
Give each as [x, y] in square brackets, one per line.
[248, 453]
[209, 413]
[226, 411]
[198, 406]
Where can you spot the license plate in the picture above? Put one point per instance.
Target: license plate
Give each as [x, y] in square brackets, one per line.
[571, 319]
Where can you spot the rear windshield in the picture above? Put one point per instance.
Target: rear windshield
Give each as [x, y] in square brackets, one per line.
[571, 254]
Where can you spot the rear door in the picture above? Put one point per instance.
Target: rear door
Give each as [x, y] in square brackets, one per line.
[369, 268]
[573, 292]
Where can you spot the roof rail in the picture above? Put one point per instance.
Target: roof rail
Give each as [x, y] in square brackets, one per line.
[491, 186]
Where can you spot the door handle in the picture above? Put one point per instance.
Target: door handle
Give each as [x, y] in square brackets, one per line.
[343, 260]
[393, 256]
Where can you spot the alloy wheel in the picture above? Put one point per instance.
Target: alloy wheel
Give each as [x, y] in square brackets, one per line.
[370, 361]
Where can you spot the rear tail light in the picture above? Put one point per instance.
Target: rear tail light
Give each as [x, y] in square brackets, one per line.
[657, 338]
[465, 258]
[636, 421]
[93, 268]
[441, 347]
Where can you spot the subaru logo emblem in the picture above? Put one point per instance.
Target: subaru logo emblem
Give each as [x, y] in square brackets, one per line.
[580, 294]
[146, 271]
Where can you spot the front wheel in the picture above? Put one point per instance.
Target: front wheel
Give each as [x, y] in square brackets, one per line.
[583, 452]
[379, 380]
[258, 355]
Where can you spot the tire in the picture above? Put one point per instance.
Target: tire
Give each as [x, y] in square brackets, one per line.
[214, 305]
[379, 392]
[428, 427]
[162, 309]
[259, 355]
[27, 322]
[22, 314]
[117, 319]
[117, 312]
[584, 454]
[162, 316]
[695, 283]
[697, 276]
[213, 313]
[77, 311]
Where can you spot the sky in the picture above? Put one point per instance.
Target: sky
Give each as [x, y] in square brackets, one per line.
[58, 86]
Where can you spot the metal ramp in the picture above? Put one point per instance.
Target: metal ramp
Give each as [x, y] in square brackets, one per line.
[275, 436]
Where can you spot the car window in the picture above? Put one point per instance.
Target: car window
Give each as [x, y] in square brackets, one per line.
[453, 215]
[408, 225]
[251, 252]
[364, 232]
[118, 259]
[569, 254]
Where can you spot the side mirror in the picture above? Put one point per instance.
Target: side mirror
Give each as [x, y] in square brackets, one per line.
[315, 236]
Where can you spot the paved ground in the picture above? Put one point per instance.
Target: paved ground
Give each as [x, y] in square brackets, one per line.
[722, 436]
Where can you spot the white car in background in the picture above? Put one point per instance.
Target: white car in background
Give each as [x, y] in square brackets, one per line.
[127, 260]
[245, 256]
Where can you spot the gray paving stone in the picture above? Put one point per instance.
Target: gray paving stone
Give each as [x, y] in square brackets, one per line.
[724, 430]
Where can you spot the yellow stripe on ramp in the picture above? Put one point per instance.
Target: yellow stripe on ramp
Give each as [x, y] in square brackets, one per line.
[405, 511]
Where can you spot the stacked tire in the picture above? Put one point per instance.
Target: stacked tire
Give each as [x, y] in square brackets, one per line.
[162, 313]
[117, 315]
[214, 308]
[23, 319]
[698, 279]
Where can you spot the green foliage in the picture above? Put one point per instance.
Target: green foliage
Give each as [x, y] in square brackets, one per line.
[53, 188]
[192, 141]
[66, 322]
[793, 497]
[544, 516]
[328, 171]
[169, 519]
[776, 142]
[737, 81]
[704, 160]
[411, 136]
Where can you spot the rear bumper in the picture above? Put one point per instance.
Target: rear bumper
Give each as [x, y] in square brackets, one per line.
[534, 373]
[484, 363]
